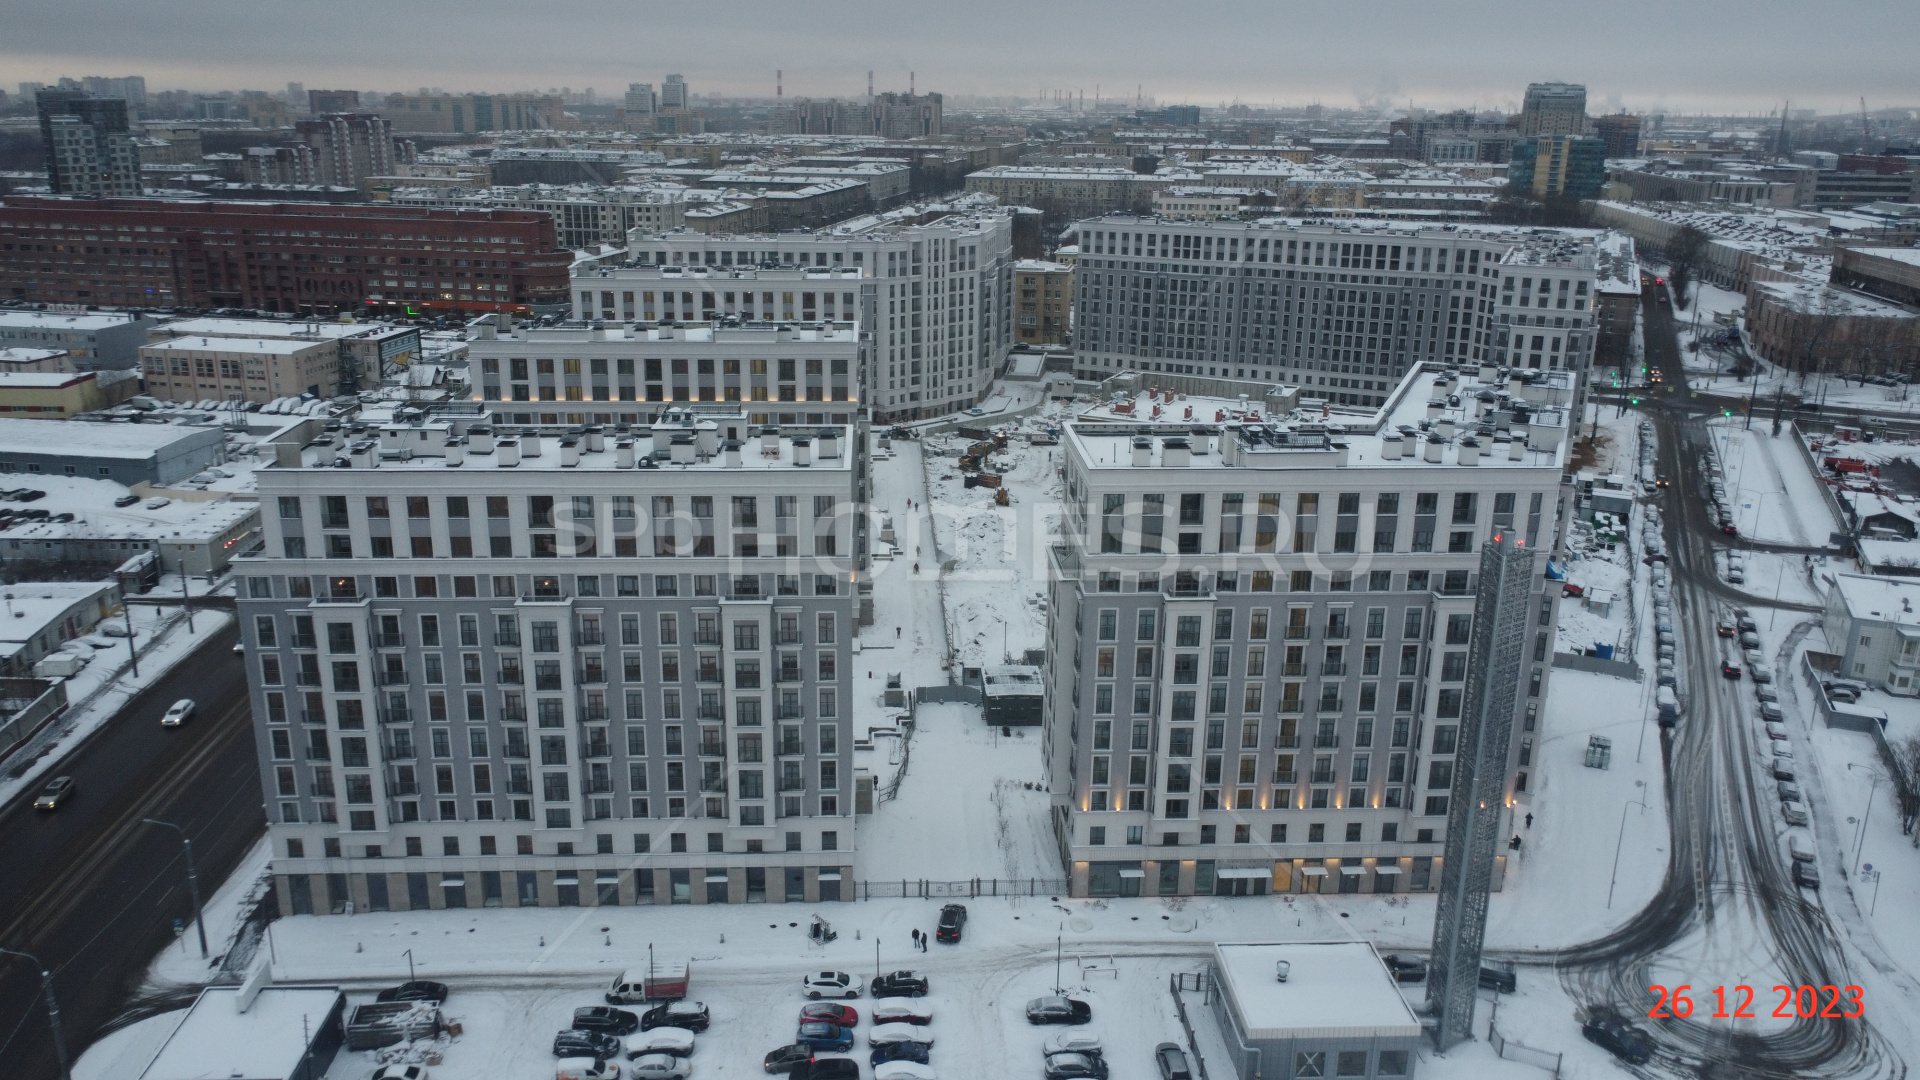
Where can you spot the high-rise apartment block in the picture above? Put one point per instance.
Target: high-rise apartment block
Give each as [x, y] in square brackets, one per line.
[348, 147]
[939, 313]
[906, 116]
[1042, 302]
[1259, 629]
[1554, 108]
[470, 113]
[674, 95]
[640, 100]
[506, 667]
[1341, 310]
[1572, 166]
[328, 102]
[1619, 133]
[89, 147]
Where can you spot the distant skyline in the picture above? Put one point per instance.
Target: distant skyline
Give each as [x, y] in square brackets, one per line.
[1711, 56]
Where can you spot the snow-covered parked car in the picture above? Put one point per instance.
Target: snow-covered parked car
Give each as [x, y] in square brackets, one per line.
[903, 1070]
[891, 1013]
[666, 1040]
[882, 1034]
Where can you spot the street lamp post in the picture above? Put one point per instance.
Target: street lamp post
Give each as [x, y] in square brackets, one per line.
[1621, 838]
[53, 1010]
[409, 956]
[193, 880]
[1860, 834]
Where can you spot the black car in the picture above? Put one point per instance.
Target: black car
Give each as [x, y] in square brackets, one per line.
[787, 1058]
[1406, 969]
[691, 1015]
[899, 984]
[953, 919]
[604, 1019]
[827, 1068]
[1805, 876]
[1172, 1061]
[574, 1043]
[900, 1051]
[1068, 1065]
[1500, 979]
[417, 990]
[1619, 1038]
[1058, 1010]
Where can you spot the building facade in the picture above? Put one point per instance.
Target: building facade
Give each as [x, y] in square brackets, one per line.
[291, 257]
[1882, 628]
[1546, 166]
[89, 147]
[1042, 302]
[94, 340]
[348, 148]
[1554, 108]
[1341, 310]
[1258, 634]
[940, 313]
[239, 369]
[497, 667]
[369, 351]
[1619, 133]
[471, 113]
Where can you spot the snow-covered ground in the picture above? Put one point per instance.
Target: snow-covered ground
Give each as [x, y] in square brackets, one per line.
[107, 682]
[1773, 494]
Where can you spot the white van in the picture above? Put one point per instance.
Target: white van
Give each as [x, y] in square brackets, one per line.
[586, 1068]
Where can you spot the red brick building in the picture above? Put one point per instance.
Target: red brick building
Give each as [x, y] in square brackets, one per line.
[294, 257]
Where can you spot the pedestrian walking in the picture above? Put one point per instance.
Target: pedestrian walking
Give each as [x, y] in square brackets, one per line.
[896, 633]
[1529, 821]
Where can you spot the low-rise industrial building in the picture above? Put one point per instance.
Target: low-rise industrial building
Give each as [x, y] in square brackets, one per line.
[240, 369]
[125, 453]
[41, 395]
[1291, 1010]
[94, 340]
[369, 351]
[44, 615]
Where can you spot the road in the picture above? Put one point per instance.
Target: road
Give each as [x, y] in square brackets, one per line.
[90, 890]
[1726, 891]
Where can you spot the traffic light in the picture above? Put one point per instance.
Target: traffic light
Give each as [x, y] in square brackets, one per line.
[1726, 412]
[1634, 400]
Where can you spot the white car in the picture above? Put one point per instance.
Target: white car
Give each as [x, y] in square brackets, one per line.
[178, 713]
[903, 1070]
[660, 1067]
[902, 1014]
[829, 984]
[887, 1034]
[1074, 1042]
[1777, 732]
[665, 1040]
[400, 1072]
[586, 1068]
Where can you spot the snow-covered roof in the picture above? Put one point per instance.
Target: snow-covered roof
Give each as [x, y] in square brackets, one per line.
[96, 518]
[1889, 553]
[30, 356]
[1040, 266]
[60, 320]
[138, 441]
[217, 1039]
[1880, 599]
[41, 380]
[1334, 990]
[1909, 255]
[31, 605]
[277, 346]
[275, 328]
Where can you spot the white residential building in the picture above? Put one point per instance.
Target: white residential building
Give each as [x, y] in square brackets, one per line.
[1258, 630]
[1876, 621]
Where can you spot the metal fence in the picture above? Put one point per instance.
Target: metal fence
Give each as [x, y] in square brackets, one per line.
[971, 889]
[1521, 1052]
[1188, 980]
[1625, 669]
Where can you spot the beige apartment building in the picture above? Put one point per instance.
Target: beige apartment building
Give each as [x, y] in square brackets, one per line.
[1042, 302]
[240, 369]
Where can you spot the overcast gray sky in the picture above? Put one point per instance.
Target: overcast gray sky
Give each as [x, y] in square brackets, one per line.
[1734, 55]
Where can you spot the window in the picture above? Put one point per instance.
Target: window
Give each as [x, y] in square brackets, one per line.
[1310, 1063]
[1350, 1063]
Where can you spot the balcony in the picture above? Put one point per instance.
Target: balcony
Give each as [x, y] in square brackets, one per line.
[1293, 671]
[508, 641]
[306, 678]
[590, 637]
[1334, 668]
[395, 714]
[313, 716]
[305, 641]
[787, 639]
[335, 521]
[707, 638]
[713, 785]
[791, 749]
[510, 676]
[393, 678]
[596, 748]
[390, 641]
[321, 753]
[1286, 777]
[592, 675]
[788, 675]
[399, 752]
[1299, 633]
[1326, 742]
[401, 791]
[791, 714]
[1286, 742]
[1339, 632]
[792, 783]
[519, 787]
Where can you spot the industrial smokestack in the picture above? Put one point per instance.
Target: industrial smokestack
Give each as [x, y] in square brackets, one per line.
[779, 83]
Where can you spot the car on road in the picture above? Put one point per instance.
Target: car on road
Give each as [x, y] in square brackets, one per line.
[1806, 875]
[902, 1014]
[1736, 576]
[787, 1058]
[824, 1036]
[572, 1043]
[882, 1034]
[126, 500]
[605, 1019]
[1499, 978]
[844, 1015]
[666, 1040]
[1794, 812]
[691, 1015]
[917, 1052]
[1723, 629]
[1055, 1009]
[900, 984]
[416, 990]
[1406, 969]
[178, 713]
[827, 1068]
[660, 1067]
[58, 790]
[1729, 669]
[1619, 1038]
[1071, 1066]
[1729, 528]
[1172, 1061]
[829, 984]
[976, 411]
[953, 919]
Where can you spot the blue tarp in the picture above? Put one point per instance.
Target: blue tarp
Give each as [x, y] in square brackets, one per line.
[1556, 572]
[1603, 650]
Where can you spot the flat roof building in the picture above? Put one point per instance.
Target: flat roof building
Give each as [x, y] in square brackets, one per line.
[125, 453]
[369, 351]
[1312, 1008]
[96, 341]
[239, 369]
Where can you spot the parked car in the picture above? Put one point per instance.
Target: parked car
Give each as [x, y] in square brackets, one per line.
[953, 919]
[844, 1015]
[58, 790]
[827, 1068]
[1783, 770]
[824, 1036]
[785, 1059]
[1842, 693]
[900, 1051]
[400, 1072]
[903, 1070]
[900, 984]
[665, 1040]
[1055, 1009]
[417, 990]
[829, 984]
[1794, 812]
[178, 713]
[660, 1067]
[1763, 692]
[586, 1068]
[1777, 732]
[1172, 1061]
[1789, 792]
[1725, 630]
[1071, 1066]
[604, 1018]
[1619, 1038]
[902, 1014]
[126, 500]
[572, 1043]
[691, 1015]
[1806, 875]
[1406, 969]
[1078, 1042]
[882, 1034]
[1770, 712]
[1498, 978]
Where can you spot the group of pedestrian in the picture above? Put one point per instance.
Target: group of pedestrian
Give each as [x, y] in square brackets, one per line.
[920, 940]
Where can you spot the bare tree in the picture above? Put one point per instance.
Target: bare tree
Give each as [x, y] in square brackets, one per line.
[1906, 787]
[1683, 258]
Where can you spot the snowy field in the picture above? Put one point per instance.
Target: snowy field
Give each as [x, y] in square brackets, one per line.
[1774, 496]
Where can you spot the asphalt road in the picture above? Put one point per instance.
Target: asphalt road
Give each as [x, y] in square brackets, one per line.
[90, 890]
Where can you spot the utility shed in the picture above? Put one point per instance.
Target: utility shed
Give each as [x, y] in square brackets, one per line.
[253, 1032]
[1012, 694]
[1337, 1013]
